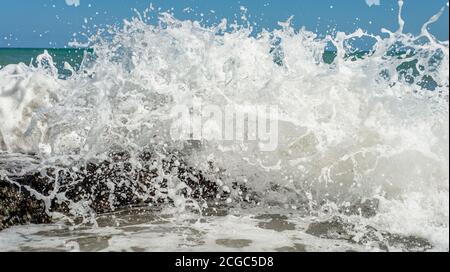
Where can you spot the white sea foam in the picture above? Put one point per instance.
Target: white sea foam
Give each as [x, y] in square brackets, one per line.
[373, 2]
[74, 3]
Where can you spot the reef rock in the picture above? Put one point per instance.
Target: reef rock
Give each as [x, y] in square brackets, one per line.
[98, 186]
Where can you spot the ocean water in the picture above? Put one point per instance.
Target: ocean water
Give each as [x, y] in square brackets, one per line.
[361, 161]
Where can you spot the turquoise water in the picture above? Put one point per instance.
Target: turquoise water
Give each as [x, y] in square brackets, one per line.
[73, 56]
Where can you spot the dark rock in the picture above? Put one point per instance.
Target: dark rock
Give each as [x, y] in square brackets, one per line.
[17, 206]
[295, 248]
[275, 222]
[367, 208]
[102, 187]
[334, 228]
[338, 229]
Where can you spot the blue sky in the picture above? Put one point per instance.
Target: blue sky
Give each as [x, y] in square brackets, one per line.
[51, 23]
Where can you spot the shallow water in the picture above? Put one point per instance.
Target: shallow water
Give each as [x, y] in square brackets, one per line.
[145, 229]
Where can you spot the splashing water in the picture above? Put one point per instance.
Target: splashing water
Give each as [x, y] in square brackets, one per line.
[365, 126]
